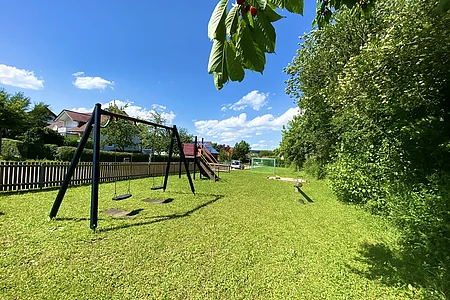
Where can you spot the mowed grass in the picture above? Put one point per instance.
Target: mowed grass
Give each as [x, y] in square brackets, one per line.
[244, 237]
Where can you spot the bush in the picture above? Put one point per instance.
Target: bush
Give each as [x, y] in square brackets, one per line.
[72, 141]
[12, 149]
[313, 167]
[66, 153]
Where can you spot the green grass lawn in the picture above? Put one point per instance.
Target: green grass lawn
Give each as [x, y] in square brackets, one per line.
[242, 237]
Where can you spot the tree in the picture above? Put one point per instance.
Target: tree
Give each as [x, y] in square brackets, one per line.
[119, 132]
[242, 34]
[374, 96]
[12, 114]
[240, 151]
[223, 155]
[265, 153]
[39, 115]
[158, 139]
[155, 138]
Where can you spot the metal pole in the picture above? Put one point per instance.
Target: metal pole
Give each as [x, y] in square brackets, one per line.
[166, 176]
[184, 159]
[95, 166]
[71, 170]
[195, 154]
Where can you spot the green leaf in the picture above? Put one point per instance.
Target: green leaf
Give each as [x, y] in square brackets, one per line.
[294, 6]
[216, 25]
[220, 79]
[264, 33]
[232, 19]
[252, 56]
[272, 15]
[234, 65]
[261, 4]
[216, 57]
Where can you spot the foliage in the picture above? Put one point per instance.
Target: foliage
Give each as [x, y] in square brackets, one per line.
[12, 114]
[73, 142]
[223, 155]
[240, 151]
[193, 247]
[374, 97]
[265, 153]
[241, 38]
[43, 135]
[12, 149]
[39, 115]
[120, 133]
[158, 139]
[66, 153]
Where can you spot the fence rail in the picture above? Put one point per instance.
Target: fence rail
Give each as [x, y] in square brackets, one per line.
[16, 176]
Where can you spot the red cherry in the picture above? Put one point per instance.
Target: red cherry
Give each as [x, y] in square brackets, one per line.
[253, 11]
[240, 2]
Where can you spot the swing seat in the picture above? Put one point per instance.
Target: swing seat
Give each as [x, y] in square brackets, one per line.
[121, 197]
[159, 187]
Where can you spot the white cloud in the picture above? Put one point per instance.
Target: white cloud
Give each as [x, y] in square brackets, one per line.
[158, 107]
[259, 146]
[238, 127]
[224, 108]
[91, 83]
[136, 111]
[20, 78]
[254, 99]
[269, 108]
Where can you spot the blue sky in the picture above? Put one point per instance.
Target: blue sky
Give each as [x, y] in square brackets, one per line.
[154, 55]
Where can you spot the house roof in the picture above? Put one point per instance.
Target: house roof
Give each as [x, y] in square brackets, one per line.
[75, 116]
[52, 113]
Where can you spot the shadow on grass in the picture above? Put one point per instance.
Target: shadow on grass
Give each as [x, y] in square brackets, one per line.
[304, 195]
[164, 218]
[72, 219]
[410, 268]
[2, 213]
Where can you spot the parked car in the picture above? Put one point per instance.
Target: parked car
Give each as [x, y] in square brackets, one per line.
[236, 164]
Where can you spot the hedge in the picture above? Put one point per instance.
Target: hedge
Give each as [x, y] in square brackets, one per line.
[66, 153]
[73, 142]
[12, 149]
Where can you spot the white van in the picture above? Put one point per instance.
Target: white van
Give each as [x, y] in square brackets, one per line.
[236, 164]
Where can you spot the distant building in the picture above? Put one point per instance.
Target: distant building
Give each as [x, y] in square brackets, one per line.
[72, 123]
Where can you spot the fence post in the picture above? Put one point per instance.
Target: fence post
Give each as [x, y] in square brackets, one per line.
[41, 175]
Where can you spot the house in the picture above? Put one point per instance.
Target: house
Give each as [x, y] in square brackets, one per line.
[72, 123]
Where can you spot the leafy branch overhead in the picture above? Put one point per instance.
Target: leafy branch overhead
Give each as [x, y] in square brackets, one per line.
[242, 33]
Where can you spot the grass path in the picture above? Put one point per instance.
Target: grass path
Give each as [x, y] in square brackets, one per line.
[243, 237]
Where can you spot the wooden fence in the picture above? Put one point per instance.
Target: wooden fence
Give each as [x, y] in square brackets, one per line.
[16, 176]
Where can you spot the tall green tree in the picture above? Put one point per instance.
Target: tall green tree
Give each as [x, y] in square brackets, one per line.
[374, 95]
[120, 133]
[39, 115]
[13, 116]
[158, 139]
[240, 151]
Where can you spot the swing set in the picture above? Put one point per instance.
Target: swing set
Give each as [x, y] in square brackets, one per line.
[94, 123]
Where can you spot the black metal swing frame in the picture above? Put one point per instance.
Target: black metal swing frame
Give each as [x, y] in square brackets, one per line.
[94, 123]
